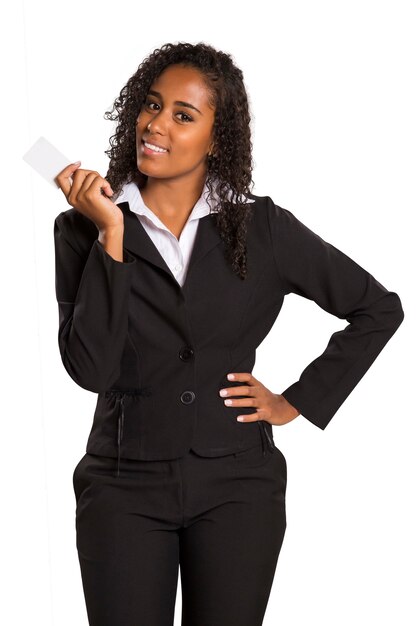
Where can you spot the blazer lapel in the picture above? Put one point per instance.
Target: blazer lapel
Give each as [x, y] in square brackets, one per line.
[138, 242]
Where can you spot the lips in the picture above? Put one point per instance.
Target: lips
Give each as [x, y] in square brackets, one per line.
[153, 143]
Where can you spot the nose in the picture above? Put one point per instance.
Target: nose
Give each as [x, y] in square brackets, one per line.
[158, 123]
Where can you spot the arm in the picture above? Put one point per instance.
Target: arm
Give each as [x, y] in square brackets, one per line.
[92, 290]
[313, 268]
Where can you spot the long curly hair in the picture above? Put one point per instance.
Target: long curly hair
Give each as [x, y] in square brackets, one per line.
[229, 168]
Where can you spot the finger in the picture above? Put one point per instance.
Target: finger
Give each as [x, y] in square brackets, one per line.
[237, 391]
[90, 183]
[250, 417]
[235, 402]
[64, 179]
[83, 181]
[95, 183]
[78, 177]
[105, 186]
[241, 376]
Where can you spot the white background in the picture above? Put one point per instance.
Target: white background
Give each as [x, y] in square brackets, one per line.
[333, 96]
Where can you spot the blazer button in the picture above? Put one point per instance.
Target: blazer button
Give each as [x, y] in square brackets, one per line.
[186, 353]
[187, 397]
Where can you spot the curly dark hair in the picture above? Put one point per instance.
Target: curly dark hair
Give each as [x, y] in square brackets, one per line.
[229, 168]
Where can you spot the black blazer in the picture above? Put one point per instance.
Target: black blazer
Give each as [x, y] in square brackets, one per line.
[157, 353]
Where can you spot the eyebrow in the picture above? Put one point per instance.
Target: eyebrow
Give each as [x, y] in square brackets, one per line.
[180, 102]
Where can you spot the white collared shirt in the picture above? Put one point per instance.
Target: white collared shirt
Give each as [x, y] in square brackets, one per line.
[175, 252]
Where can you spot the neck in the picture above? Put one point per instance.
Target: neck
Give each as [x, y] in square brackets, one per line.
[173, 198]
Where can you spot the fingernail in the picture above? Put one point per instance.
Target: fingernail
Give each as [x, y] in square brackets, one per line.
[231, 376]
[77, 163]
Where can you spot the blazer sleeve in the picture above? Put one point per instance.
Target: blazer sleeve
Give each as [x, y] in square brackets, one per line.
[309, 266]
[92, 290]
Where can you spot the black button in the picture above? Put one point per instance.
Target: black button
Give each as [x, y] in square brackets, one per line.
[187, 397]
[186, 353]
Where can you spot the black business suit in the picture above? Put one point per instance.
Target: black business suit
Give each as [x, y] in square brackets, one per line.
[158, 354]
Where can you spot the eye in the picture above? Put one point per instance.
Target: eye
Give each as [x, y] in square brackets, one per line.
[149, 104]
[189, 119]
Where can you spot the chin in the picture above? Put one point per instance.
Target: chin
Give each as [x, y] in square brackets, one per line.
[143, 168]
[149, 174]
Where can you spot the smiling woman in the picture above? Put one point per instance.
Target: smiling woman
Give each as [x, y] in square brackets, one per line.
[165, 292]
[172, 147]
[189, 100]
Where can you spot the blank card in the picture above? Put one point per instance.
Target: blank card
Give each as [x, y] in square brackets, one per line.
[47, 160]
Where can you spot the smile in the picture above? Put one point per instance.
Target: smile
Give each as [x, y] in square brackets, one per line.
[148, 148]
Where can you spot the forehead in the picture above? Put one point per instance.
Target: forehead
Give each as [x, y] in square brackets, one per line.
[177, 82]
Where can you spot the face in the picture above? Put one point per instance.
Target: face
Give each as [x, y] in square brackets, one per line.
[176, 115]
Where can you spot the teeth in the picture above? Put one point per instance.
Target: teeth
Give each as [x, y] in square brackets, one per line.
[155, 148]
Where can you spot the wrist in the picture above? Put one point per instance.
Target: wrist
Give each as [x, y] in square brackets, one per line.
[111, 230]
[289, 409]
[111, 238]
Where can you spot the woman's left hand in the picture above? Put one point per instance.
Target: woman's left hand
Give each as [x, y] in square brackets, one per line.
[268, 406]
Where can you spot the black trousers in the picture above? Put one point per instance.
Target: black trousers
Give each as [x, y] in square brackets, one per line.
[219, 521]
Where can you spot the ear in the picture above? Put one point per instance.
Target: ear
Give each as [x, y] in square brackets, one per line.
[211, 150]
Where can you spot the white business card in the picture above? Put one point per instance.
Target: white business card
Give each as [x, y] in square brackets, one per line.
[47, 160]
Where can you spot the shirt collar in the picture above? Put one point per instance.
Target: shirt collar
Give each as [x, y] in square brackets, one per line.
[130, 193]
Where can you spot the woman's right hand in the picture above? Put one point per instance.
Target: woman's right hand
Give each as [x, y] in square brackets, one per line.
[84, 194]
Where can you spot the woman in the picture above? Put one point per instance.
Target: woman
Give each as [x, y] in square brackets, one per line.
[169, 274]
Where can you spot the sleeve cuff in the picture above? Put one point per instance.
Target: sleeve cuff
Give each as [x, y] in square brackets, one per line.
[293, 396]
[128, 259]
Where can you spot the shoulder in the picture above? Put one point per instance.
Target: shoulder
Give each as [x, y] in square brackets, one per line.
[278, 216]
[286, 231]
[263, 204]
[267, 211]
